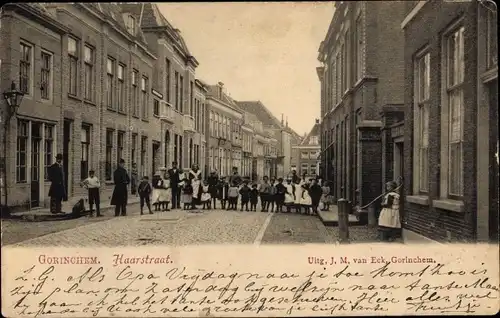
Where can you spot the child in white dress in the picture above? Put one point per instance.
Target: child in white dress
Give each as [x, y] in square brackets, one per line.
[389, 221]
[206, 198]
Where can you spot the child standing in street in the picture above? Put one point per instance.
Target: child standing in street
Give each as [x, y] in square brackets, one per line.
[280, 195]
[187, 194]
[93, 185]
[144, 191]
[315, 192]
[206, 198]
[389, 221]
[289, 195]
[272, 195]
[254, 197]
[232, 194]
[223, 189]
[264, 191]
[245, 195]
[305, 200]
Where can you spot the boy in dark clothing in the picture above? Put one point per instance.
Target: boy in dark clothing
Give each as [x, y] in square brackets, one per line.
[213, 188]
[315, 192]
[187, 195]
[264, 191]
[223, 189]
[232, 195]
[272, 195]
[280, 195]
[245, 195]
[144, 191]
[254, 197]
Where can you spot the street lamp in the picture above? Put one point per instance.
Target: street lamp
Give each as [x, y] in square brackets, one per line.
[13, 99]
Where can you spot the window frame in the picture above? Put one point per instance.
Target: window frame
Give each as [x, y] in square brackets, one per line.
[144, 97]
[86, 130]
[49, 154]
[110, 82]
[44, 69]
[30, 62]
[135, 89]
[121, 86]
[120, 145]
[108, 161]
[88, 83]
[74, 58]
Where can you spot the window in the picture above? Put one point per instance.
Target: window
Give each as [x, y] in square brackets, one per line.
[46, 75]
[314, 140]
[156, 107]
[131, 24]
[224, 127]
[304, 155]
[135, 76]
[180, 150]
[422, 121]
[22, 149]
[338, 78]
[144, 97]
[181, 96]
[211, 127]
[359, 48]
[176, 88]
[25, 71]
[73, 65]
[109, 151]
[492, 39]
[48, 145]
[85, 142]
[121, 88]
[144, 147]
[110, 67]
[455, 95]
[168, 75]
[313, 169]
[133, 148]
[191, 98]
[89, 72]
[120, 144]
[303, 169]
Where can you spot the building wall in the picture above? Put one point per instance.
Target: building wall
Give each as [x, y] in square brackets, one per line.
[421, 212]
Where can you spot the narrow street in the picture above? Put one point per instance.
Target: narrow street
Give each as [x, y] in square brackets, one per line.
[178, 227]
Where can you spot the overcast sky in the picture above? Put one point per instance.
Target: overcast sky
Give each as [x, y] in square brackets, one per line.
[260, 51]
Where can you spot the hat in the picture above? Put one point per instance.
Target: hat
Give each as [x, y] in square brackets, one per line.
[59, 156]
[392, 184]
[121, 161]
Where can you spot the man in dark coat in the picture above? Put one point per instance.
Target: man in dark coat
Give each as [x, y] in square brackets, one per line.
[295, 177]
[174, 174]
[57, 191]
[235, 178]
[213, 181]
[120, 195]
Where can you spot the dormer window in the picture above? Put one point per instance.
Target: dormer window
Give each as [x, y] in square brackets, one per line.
[131, 24]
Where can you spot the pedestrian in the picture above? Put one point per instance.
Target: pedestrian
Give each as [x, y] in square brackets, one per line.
[235, 177]
[144, 190]
[315, 192]
[206, 198]
[232, 195]
[157, 183]
[195, 178]
[289, 195]
[174, 176]
[305, 201]
[389, 220]
[245, 195]
[298, 189]
[279, 197]
[272, 194]
[120, 193]
[325, 189]
[92, 184]
[264, 191]
[254, 197]
[57, 191]
[133, 179]
[213, 181]
[187, 194]
[223, 189]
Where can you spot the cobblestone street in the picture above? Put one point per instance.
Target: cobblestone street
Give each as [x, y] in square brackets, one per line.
[179, 227]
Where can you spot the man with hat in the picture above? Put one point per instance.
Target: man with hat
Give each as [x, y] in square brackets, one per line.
[120, 195]
[174, 175]
[57, 191]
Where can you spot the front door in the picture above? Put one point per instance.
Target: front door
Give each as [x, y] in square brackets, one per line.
[66, 151]
[36, 139]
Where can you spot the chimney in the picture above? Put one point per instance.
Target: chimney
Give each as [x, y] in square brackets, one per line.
[282, 119]
[317, 121]
[220, 88]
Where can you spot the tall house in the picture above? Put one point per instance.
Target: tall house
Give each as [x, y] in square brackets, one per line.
[308, 153]
[174, 78]
[451, 131]
[87, 73]
[224, 142]
[362, 81]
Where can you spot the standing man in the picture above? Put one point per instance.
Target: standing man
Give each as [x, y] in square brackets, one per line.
[174, 175]
[295, 177]
[120, 195]
[57, 191]
[235, 178]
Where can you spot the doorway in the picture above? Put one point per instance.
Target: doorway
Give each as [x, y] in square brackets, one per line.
[66, 151]
[167, 162]
[398, 171]
[36, 139]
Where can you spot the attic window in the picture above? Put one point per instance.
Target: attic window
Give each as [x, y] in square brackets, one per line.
[314, 140]
[131, 24]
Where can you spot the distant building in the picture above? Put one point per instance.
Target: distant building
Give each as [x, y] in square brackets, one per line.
[308, 153]
[451, 135]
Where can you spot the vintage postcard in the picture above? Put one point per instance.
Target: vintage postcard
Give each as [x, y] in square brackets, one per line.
[249, 159]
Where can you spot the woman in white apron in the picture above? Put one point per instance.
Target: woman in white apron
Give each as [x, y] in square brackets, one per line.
[298, 194]
[306, 201]
[195, 177]
[389, 221]
[289, 199]
[164, 195]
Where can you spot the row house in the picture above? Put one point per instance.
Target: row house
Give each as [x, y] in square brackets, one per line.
[361, 97]
[258, 153]
[86, 71]
[225, 121]
[181, 105]
[451, 131]
[308, 153]
[248, 134]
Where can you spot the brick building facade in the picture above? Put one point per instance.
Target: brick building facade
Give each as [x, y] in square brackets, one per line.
[451, 179]
[308, 153]
[361, 97]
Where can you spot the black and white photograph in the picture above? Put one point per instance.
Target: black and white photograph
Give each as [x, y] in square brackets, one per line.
[351, 121]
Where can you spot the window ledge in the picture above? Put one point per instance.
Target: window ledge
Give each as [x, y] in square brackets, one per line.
[417, 199]
[449, 205]
[109, 182]
[74, 97]
[145, 120]
[135, 116]
[122, 112]
[86, 101]
[111, 109]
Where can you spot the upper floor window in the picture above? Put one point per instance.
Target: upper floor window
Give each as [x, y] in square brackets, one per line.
[314, 140]
[421, 111]
[121, 87]
[359, 47]
[110, 70]
[46, 75]
[131, 26]
[492, 38]
[89, 72]
[144, 97]
[135, 78]
[26, 69]
[73, 66]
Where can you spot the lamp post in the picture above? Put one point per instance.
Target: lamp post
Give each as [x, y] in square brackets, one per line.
[13, 99]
